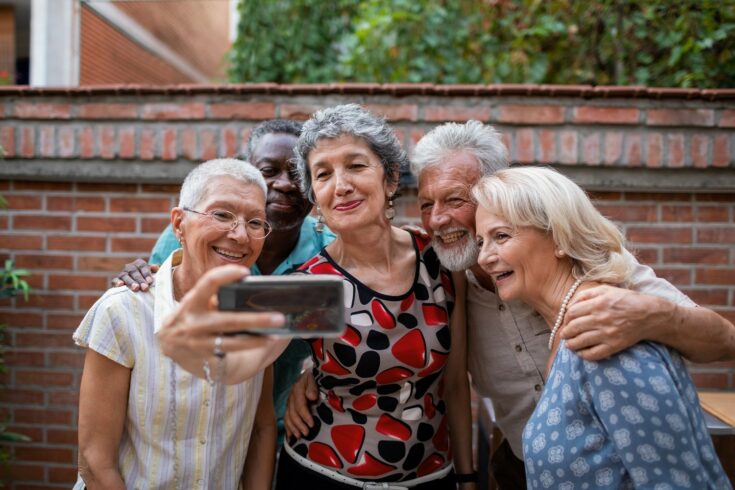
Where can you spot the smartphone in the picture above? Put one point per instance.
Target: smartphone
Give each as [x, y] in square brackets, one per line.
[313, 304]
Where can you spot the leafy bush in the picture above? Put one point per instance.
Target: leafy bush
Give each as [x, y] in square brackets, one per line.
[690, 43]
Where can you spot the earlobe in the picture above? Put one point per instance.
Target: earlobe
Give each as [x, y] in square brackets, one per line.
[177, 217]
[559, 253]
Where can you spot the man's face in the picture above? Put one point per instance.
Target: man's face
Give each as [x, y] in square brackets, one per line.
[447, 209]
[285, 207]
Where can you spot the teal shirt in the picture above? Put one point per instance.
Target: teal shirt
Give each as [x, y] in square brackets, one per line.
[288, 366]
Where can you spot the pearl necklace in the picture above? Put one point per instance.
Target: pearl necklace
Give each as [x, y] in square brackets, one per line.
[563, 310]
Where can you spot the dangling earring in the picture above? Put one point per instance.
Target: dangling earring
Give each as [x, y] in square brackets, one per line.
[319, 226]
[390, 211]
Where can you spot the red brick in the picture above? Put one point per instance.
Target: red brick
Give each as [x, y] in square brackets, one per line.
[86, 301]
[647, 255]
[7, 140]
[24, 185]
[86, 143]
[456, 113]
[189, 144]
[657, 196]
[710, 380]
[41, 222]
[76, 243]
[697, 255]
[707, 214]
[106, 187]
[137, 245]
[47, 139]
[173, 111]
[67, 140]
[395, 112]
[18, 319]
[77, 281]
[140, 205]
[168, 144]
[677, 213]
[300, 112]
[4, 222]
[74, 359]
[676, 276]
[26, 397]
[715, 197]
[48, 301]
[27, 142]
[23, 201]
[507, 138]
[629, 212]
[107, 111]
[61, 436]
[47, 377]
[530, 114]
[547, 146]
[35, 110]
[613, 147]
[606, 115]
[525, 145]
[102, 264]
[708, 296]
[18, 358]
[676, 150]
[147, 144]
[568, 147]
[65, 398]
[162, 188]
[106, 137]
[700, 150]
[243, 110]
[45, 261]
[154, 225]
[681, 117]
[244, 138]
[46, 417]
[60, 474]
[715, 276]
[668, 235]
[126, 140]
[655, 149]
[230, 144]
[19, 471]
[591, 148]
[75, 203]
[69, 322]
[105, 223]
[728, 119]
[633, 147]
[721, 156]
[728, 313]
[21, 242]
[208, 143]
[36, 453]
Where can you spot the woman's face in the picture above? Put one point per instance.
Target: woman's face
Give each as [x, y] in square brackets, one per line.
[520, 260]
[205, 243]
[349, 183]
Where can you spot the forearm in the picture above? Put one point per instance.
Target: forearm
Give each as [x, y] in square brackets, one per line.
[100, 475]
[261, 460]
[459, 417]
[700, 334]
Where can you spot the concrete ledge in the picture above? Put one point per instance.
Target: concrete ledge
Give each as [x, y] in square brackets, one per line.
[592, 178]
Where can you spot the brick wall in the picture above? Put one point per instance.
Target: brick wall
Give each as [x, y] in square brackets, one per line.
[91, 173]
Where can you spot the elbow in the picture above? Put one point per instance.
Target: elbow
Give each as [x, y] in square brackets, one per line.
[93, 467]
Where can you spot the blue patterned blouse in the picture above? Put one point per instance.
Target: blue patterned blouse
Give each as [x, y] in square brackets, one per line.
[630, 421]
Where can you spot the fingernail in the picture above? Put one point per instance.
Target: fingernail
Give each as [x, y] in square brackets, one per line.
[134, 287]
[278, 319]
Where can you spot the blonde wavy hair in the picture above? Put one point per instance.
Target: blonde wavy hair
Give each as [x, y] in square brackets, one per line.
[545, 199]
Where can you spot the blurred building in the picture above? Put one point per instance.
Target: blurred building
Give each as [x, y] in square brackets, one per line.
[99, 42]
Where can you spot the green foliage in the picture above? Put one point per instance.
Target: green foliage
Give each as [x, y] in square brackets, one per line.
[12, 281]
[688, 43]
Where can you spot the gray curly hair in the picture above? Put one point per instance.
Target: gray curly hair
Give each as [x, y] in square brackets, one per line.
[354, 120]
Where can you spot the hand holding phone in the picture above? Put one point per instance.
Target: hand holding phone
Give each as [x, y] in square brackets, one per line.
[313, 304]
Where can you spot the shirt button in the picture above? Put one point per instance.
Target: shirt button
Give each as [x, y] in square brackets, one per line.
[518, 348]
[537, 387]
[206, 403]
[204, 441]
[200, 482]
[501, 307]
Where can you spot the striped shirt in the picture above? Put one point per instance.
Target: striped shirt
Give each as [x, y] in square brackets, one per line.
[179, 431]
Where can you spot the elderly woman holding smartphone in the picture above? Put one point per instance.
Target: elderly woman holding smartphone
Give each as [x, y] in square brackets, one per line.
[394, 389]
[630, 421]
[143, 421]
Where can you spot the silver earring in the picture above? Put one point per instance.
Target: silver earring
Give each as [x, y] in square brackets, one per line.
[319, 226]
[390, 211]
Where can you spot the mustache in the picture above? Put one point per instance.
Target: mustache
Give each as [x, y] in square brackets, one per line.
[275, 196]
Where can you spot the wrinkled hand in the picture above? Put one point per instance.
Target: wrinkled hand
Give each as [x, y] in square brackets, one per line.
[604, 320]
[415, 230]
[136, 275]
[189, 332]
[297, 420]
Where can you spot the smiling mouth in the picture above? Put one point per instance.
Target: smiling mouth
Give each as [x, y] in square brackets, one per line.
[347, 206]
[452, 236]
[502, 275]
[229, 255]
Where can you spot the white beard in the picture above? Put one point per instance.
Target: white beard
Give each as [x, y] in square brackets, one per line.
[458, 257]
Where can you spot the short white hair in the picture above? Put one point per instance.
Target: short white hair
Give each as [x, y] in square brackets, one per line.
[473, 137]
[545, 199]
[194, 189]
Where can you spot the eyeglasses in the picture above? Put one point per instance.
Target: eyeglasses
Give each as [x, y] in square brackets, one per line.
[227, 221]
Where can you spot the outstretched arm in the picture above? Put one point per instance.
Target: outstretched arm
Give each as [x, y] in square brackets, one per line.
[261, 459]
[605, 320]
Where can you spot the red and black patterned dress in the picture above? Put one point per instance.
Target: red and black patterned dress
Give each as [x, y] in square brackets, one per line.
[381, 414]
